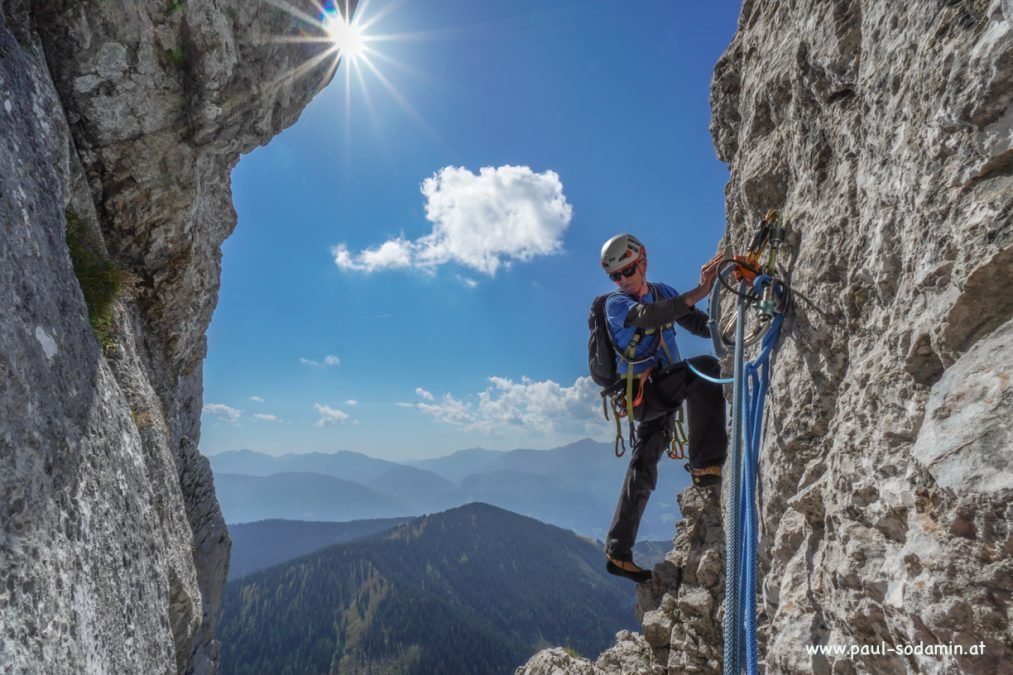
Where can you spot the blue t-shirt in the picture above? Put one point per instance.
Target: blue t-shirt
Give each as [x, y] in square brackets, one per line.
[617, 307]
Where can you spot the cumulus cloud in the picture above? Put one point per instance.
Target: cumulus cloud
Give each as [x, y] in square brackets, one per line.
[329, 360]
[266, 418]
[484, 221]
[423, 394]
[546, 407]
[391, 254]
[329, 416]
[256, 399]
[448, 411]
[351, 402]
[222, 411]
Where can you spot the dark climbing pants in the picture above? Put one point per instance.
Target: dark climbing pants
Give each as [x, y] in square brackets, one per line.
[665, 391]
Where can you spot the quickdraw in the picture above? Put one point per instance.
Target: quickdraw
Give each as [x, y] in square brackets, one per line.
[613, 397]
[679, 448]
[620, 396]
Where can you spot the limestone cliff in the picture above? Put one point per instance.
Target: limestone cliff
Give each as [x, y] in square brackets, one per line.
[883, 131]
[120, 122]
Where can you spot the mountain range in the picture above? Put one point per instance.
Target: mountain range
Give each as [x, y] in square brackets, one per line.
[475, 589]
[257, 546]
[574, 486]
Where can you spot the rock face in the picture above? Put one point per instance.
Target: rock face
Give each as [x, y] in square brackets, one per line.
[679, 605]
[883, 132]
[631, 655]
[125, 119]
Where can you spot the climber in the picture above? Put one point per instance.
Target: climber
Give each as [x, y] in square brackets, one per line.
[638, 311]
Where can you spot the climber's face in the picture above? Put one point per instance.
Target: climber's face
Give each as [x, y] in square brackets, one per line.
[630, 279]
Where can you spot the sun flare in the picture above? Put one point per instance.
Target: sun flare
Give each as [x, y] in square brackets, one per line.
[356, 44]
[347, 37]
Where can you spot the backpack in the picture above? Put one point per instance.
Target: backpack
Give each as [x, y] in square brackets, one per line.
[601, 353]
[601, 361]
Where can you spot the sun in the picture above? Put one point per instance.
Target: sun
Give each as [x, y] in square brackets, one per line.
[356, 44]
[347, 36]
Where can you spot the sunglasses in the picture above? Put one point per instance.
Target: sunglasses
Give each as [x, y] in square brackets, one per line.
[625, 272]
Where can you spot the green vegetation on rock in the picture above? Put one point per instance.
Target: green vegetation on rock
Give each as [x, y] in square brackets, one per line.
[100, 278]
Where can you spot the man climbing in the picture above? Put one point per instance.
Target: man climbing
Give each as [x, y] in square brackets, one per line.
[662, 381]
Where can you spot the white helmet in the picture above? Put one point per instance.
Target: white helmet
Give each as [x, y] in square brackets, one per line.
[621, 251]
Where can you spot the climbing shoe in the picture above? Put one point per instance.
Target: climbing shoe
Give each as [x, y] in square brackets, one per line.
[628, 569]
[708, 475]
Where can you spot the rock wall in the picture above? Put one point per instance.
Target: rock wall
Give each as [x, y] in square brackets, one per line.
[127, 119]
[883, 132]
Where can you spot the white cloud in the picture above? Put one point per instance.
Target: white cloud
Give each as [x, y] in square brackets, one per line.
[480, 221]
[391, 254]
[467, 281]
[256, 399]
[329, 360]
[538, 407]
[351, 402]
[329, 416]
[266, 418]
[448, 411]
[423, 394]
[223, 411]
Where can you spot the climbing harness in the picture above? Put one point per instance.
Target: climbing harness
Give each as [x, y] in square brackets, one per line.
[627, 392]
[762, 287]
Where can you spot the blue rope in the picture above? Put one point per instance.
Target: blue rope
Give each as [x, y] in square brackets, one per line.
[741, 532]
[740, 564]
[755, 385]
[733, 618]
[705, 376]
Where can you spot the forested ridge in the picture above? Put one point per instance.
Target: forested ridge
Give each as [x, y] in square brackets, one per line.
[473, 590]
[263, 544]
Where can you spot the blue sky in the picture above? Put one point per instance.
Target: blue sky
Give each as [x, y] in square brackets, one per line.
[411, 271]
